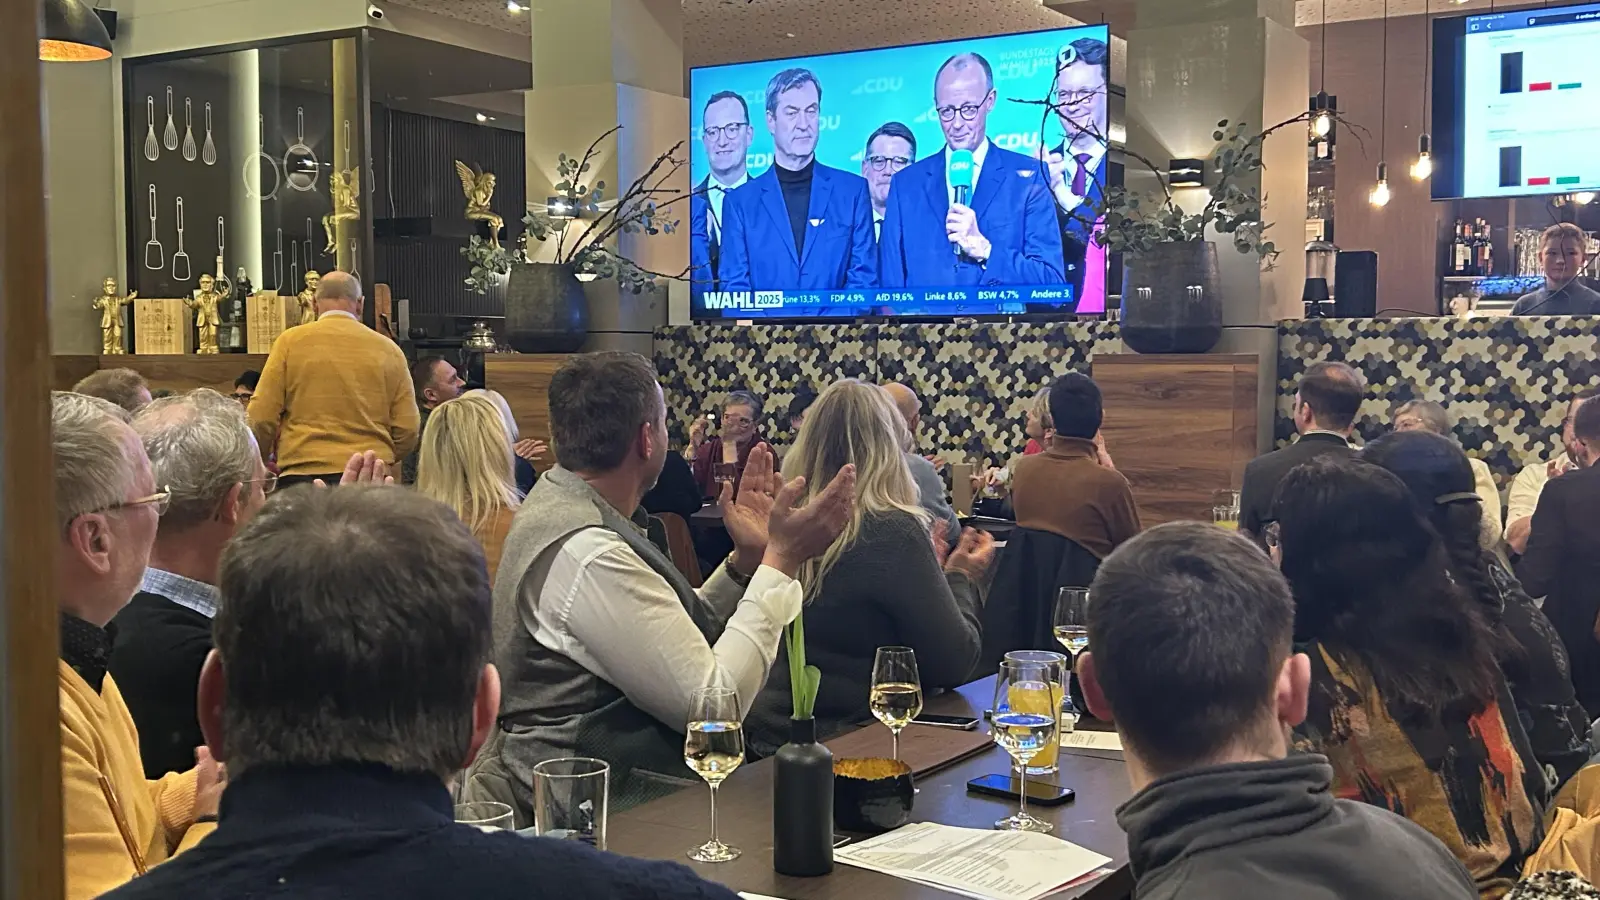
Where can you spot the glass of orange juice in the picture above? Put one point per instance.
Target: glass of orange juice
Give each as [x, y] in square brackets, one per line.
[1042, 701]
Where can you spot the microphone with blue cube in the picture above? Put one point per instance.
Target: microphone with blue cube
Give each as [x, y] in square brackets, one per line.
[959, 172]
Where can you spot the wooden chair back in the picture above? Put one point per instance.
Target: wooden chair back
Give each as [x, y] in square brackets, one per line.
[680, 546]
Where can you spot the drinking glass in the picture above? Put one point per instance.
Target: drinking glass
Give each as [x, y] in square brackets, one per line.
[1053, 701]
[571, 798]
[1023, 734]
[1072, 631]
[1225, 509]
[896, 690]
[725, 472]
[486, 815]
[713, 747]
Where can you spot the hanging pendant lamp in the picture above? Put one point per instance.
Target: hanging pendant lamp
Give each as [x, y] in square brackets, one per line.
[72, 33]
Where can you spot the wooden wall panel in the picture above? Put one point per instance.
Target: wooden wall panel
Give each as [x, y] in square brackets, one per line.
[1179, 427]
[524, 379]
[185, 373]
[69, 370]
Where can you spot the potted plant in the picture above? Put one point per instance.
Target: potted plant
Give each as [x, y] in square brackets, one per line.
[546, 311]
[802, 802]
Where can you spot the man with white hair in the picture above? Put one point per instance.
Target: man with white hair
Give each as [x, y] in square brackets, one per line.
[930, 487]
[116, 823]
[202, 452]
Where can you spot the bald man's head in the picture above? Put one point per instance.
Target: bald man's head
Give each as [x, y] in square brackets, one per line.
[907, 402]
[341, 291]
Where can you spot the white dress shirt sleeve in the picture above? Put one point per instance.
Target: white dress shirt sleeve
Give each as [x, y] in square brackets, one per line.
[1524, 493]
[607, 610]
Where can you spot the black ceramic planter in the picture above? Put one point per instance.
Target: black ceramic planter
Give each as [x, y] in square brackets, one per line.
[802, 804]
[546, 311]
[1172, 299]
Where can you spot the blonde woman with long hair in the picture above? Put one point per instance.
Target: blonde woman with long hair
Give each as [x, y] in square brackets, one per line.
[465, 462]
[882, 582]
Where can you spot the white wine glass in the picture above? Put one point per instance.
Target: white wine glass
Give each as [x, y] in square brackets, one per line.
[896, 690]
[713, 747]
[1071, 628]
[1023, 734]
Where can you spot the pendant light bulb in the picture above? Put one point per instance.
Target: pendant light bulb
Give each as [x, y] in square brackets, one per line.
[1380, 191]
[1422, 169]
[1322, 124]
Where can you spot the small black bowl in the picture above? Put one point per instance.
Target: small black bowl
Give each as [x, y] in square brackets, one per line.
[871, 795]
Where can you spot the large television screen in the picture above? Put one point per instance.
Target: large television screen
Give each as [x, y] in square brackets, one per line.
[959, 178]
[1517, 103]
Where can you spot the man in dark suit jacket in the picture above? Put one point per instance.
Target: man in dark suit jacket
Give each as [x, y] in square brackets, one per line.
[203, 452]
[1563, 558]
[800, 225]
[1077, 166]
[1325, 409]
[725, 133]
[1004, 233]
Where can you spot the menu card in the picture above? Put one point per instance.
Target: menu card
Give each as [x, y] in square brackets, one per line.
[978, 863]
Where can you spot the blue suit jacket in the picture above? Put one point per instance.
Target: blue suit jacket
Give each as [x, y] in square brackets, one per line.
[703, 251]
[1077, 227]
[758, 252]
[1015, 212]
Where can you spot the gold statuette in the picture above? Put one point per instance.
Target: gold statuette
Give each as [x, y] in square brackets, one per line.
[479, 188]
[110, 306]
[346, 187]
[308, 299]
[206, 318]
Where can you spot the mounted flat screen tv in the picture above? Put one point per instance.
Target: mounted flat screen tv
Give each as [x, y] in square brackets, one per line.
[1516, 103]
[950, 179]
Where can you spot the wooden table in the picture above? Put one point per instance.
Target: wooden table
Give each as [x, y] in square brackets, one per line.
[668, 828]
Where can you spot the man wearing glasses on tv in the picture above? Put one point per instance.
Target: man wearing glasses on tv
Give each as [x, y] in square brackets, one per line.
[725, 133]
[1077, 166]
[889, 149]
[800, 225]
[1002, 230]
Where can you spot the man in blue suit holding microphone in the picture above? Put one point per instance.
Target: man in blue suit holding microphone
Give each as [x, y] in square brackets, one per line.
[974, 214]
[800, 225]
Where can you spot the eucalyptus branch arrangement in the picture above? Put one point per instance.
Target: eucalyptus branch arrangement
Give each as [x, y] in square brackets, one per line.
[803, 679]
[642, 208]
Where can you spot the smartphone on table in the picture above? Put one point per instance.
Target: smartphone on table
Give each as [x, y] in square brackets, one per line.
[1040, 792]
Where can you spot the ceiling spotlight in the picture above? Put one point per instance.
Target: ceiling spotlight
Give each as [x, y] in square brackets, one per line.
[1380, 191]
[512, 6]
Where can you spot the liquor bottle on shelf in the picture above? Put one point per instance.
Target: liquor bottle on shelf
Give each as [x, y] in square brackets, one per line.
[1485, 257]
[1460, 252]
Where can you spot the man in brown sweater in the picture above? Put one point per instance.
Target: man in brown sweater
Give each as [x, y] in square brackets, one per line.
[333, 388]
[1066, 490]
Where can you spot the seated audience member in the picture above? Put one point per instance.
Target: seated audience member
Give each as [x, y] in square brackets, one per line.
[675, 491]
[931, 492]
[1436, 471]
[1325, 408]
[881, 583]
[244, 387]
[350, 684]
[116, 823]
[1407, 700]
[729, 452]
[1426, 415]
[600, 638]
[124, 387]
[526, 451]
[465, 463]
[797, 408]
[1563, 559]
[1190, 654]
[1039, 425]
[435, 381]
[201, 451]
[1066, 490]
[1529, 483]
[1565, 250]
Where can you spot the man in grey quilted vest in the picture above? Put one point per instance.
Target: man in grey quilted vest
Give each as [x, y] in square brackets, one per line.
[599, 639]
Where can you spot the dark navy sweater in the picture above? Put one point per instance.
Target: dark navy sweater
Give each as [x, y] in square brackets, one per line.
[351, 832]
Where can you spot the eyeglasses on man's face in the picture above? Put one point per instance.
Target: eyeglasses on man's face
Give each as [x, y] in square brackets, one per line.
[268, 482]
[243, 396]
[1074, 98]
[728, 132]
[160, 500]
[968, 112]
[891, 163]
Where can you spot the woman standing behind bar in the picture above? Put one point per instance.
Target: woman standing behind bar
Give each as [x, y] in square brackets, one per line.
[1406, 698]
[880, 584]
[465, 463]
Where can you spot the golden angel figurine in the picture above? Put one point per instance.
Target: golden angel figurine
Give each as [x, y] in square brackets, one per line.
[206, 318]
[110, 306]
[479, 188]
[345, 187]
[308, 298]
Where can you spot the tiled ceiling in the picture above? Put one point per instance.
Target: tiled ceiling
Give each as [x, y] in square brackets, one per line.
[1309, 12]
[721, 31]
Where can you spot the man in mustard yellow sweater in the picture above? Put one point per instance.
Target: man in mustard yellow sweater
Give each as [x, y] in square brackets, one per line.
[117, 824]
[333, 388]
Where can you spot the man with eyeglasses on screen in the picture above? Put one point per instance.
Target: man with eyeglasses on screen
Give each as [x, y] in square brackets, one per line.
[800, 225]
[1077, 166]
[974, 214]
[725, 134]
[889, 149]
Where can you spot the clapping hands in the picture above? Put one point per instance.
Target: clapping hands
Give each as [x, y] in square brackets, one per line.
[766, 525]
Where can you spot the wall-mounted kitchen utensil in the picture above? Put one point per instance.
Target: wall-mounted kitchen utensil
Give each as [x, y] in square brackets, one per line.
[311, 243]
[190, 150]
[355, 258]
[300, 165]
[294, 263]
[152, 147]
[208, 153]
[170, 138]
[252, 167]
[277, 265]
[180, 260]
[155, 258]
[224, 283]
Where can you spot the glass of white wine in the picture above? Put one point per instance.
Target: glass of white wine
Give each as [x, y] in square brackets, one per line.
[896, 690]
[1072, 632]
[713, 747]
[1023, 732]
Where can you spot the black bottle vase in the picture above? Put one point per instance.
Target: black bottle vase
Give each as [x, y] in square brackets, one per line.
[802, 806]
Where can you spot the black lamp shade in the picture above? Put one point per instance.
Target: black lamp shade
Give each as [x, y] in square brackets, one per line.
[72, 33]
